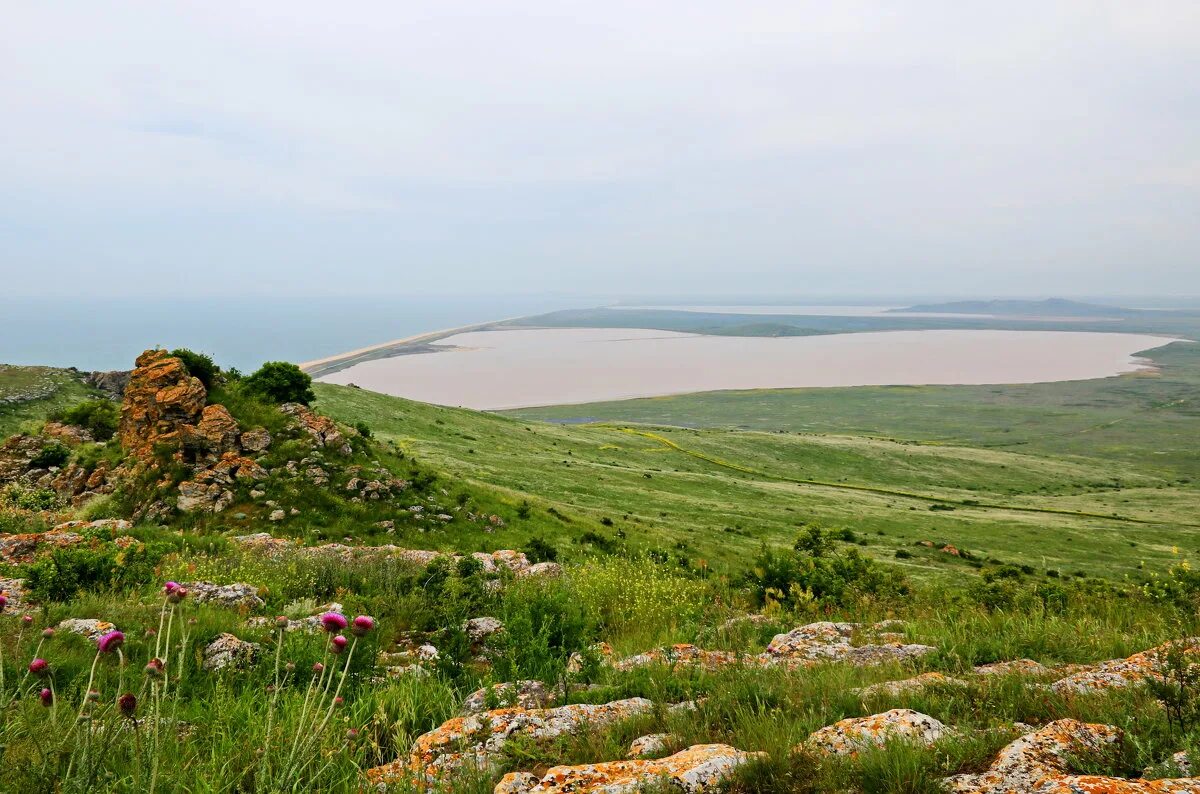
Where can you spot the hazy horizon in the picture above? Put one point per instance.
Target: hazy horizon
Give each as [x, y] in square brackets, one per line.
[808, 149]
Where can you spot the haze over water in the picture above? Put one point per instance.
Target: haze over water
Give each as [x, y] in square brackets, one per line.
[495, 370]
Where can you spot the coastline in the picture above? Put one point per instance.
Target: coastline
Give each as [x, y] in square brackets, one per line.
[318, 368]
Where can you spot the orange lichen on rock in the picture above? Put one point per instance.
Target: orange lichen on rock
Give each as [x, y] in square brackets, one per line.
[1118, 673]
[699, 768]
[160, 398]
[852, 735]
[1037, 762]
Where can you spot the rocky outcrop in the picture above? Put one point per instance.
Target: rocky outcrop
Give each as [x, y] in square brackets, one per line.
[88, 627]
[70, 435]
[215, 434]
[853, 735]
[232, 596]
[112, 383]
[323, 430]
[17, 455]
[651, 745]
[476, 740]
[521, 694]
[160, 399]
[228, 652]
[1119, 673]
[25, 548]
[1039, 762]
[14, 591]
[702, 767]
[1014, 666]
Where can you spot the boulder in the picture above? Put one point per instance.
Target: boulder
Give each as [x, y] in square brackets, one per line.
[160, 398]
[215, 433]
[17, 454]
[70, 435]
[255, 440]
[1011, 667]
[112, 383]
[88, 627]
[234, 596]
[477, 740]
[24, 548]
[321, 429]
[521, 694]
[853, 735]
[479, 629]
[651, 745]
[201, 497]
[14, 591]
[1120, 673]
[227, 651]
[702, 767]
[1039, 762]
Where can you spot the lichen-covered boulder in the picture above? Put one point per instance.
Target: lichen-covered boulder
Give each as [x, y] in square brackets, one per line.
[477, 739]
[91, 628]
[700, 768]
[851, 736]
[651, 745]
[1120, 673]
[1038, 758]
[235, 596]
[914, 684]
[160, 398]
[521, 694]
[321, 429]
[1011, 667]
[229, 652]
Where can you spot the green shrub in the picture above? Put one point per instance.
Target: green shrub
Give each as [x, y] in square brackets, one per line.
[199, 365]
[363, 429]
[30, 498]
[67, 571]
[281, 382]
[53, 454]
[98, 417]
[539, 550]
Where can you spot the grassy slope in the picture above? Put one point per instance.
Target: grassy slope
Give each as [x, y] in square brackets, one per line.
[67, 390]
[718, 493]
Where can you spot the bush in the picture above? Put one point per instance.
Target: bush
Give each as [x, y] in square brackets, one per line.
[63, 574]
[363, 429]
[538, 550]
[53, 454]
[98, 417]
[199, 366]
[281, 382]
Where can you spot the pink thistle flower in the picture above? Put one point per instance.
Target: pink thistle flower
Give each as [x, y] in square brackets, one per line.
[47, 698]
[338, 643]
[3, 602]
[170, 587]
[282, 622]
[177, 595]
[362, 625]
[155, 668]
[333, 621]
[318, 667]
[27, 619]
[339, 700]
[48, 633]
[93, 696]
[127, 704]
[110, 642]
[39, 667]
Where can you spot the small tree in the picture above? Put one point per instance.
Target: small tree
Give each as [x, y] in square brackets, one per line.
[281, 382]
[199, 365]
[98, 417]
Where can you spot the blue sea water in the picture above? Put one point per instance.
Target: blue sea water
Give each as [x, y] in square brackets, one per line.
[107, 334]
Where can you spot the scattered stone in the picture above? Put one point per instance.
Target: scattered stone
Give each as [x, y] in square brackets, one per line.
[323, 430]
[88, 627]
[699, 768]
[851, 736]
[522, 694]
[1022, 666]
[479, 629]
[915, 684]
[235, 596]
[477, 739]
[14, 591]
[680, 654]
[255, 440]
[311, 623]
[1120, 673]
[1039, 761]
[651, 745]
[22, 549]
[227, 651]
[277, 515]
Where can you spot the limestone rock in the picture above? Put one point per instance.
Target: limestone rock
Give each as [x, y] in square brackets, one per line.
[479, 629]
[159, 399]
[1038, 762]
[14, 591]
[112, 382]
[541, 569]
[1022, 666]
[521, 694]
[827, 641]
[255, 440]
[70, 435]
[277, 515]
[323, 430]
[215, 433]
[234, 596]
[477, 739]
[850, 736]
[227, 651]
[23, 548]
[88, 627]
[700, 768]
[1119, 673]
[651, 745]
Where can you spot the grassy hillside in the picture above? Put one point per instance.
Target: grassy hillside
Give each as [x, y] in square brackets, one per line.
[27, 394]
[717, 494]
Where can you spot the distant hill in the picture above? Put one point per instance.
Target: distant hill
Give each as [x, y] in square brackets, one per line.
[1052, 307]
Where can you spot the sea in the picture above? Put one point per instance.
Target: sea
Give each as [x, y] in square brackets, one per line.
[108, 334]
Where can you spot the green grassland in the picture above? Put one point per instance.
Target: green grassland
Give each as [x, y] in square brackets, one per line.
[56, 389]
[1095, 476]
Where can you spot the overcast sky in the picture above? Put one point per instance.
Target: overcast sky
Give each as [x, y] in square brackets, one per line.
[304, 148]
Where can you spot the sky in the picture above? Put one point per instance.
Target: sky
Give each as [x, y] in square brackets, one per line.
[298, 148]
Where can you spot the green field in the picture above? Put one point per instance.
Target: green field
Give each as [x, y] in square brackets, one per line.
[1094, 476]
[55, 389]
